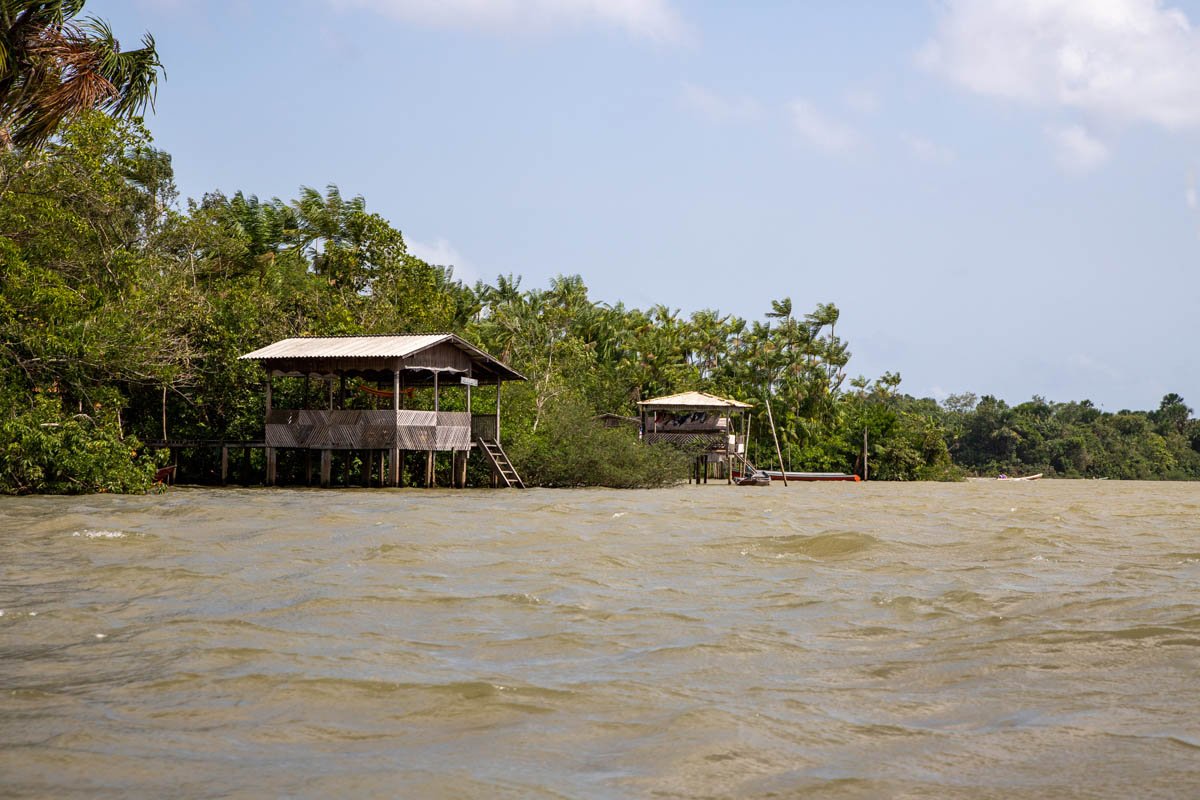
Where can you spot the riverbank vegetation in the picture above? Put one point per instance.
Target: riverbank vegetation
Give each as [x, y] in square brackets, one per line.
[123, 312]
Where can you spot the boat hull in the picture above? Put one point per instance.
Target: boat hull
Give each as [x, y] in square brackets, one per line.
[775, 475]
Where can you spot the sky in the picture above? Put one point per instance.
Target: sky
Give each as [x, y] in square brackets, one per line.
[1001, 196]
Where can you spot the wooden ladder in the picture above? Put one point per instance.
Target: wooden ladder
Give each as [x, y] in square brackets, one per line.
[504, 468]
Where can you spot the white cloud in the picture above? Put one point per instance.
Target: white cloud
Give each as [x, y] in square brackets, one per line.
[650, 19]
[1076, 150]
[443, 254]
[1113, 60]
[718, 107]
[823, 131]
[929, 151]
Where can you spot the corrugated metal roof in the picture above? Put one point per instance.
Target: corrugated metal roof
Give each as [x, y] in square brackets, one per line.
[379, 347]
[694, 400]
[350, 346]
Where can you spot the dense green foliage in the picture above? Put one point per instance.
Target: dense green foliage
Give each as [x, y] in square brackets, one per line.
[122, 315]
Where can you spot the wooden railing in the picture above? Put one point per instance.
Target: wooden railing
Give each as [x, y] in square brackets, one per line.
[483, 426]
[706, 440]
[325, 429]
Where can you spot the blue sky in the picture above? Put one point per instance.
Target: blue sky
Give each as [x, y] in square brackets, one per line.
[999, 195]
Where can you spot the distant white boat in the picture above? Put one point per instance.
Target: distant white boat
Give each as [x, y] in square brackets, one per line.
[1025, 478]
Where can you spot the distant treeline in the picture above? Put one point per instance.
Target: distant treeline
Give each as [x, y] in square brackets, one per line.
[122, 313]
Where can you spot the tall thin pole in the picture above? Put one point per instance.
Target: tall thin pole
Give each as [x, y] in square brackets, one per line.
[394, 459]
[864, 454]
[775, 436]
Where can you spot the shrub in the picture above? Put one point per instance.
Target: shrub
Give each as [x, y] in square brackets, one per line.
[570, 448]
[45, 449]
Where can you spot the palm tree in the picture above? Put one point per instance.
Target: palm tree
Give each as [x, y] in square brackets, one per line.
[52, 68]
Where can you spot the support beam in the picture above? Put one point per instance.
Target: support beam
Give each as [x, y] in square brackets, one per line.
[224, 464]
[270, 477]
[326, 467]
[394, 465]
[497, 411]
[460, 469]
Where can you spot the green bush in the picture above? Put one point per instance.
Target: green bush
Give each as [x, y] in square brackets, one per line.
[44, 449]
[570, 448]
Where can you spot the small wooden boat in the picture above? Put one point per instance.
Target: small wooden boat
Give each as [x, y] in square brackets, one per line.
[752, 479]
[776, 475]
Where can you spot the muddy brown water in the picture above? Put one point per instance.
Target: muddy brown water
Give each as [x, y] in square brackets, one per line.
[977, 640]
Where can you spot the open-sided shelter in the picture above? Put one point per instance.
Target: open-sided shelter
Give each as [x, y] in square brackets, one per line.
[696, 421]
[389, 369]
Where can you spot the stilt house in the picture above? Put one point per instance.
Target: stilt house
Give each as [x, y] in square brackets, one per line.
[697, 421]
[384, 376]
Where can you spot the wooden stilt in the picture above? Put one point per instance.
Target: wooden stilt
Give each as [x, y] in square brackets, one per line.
[326, 466]
[224, 464]
[346, 459]
[308, 468]
[429, 469]
[368, 466]
[460, 469]
[394, 466]
[245, 466]
[270, 476]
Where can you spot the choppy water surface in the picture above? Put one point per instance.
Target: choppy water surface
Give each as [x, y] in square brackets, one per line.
[876, 640]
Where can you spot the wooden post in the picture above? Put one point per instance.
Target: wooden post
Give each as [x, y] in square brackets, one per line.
[456, 480]
[326, 467]
[394, 466]
[864, 454]
[308, 467]
[224, 463]
[497, 413]
[430, 479]
[245, 466]
[270, 450]
[368, 468]
[346, 467]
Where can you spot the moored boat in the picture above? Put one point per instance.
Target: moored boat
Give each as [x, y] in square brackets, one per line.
[776, 475]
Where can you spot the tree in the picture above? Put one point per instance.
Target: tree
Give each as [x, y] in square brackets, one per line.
[54, 67]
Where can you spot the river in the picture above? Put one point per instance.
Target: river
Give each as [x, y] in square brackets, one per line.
[975, 640]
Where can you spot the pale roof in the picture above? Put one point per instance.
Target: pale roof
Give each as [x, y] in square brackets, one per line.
[693, 400]
[373, 347]
[348, 346]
